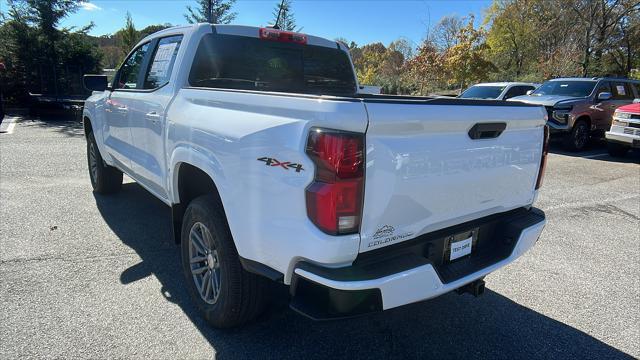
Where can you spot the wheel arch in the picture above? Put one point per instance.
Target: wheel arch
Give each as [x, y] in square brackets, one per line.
[583, 117]
[190, 181]
[86, 125]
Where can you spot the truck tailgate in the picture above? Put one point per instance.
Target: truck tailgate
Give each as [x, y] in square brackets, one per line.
[424, 172]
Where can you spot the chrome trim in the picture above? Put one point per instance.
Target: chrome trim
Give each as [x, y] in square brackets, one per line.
[627, 120]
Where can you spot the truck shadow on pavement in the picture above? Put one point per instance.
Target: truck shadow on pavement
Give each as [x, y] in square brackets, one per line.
[67, 125]
[450, 326]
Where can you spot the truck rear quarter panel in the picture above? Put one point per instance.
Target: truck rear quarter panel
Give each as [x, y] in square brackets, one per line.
[231, 135]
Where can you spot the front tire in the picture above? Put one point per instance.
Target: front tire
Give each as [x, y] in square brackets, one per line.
[617, 150]
[577, 139]
[223, 291]
[105, 179]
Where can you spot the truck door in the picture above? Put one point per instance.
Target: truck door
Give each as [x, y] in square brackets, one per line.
[148, 119]
[117, 135]
[601, 116]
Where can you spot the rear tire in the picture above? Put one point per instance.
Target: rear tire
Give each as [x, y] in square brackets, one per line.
[578, 138]
[222, 290]
[617, 150]
[105, 179]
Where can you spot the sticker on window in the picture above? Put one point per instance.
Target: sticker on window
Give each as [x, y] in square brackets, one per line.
[620, 89]
[162, 60]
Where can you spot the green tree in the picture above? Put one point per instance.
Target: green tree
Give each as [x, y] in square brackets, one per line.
[129, 35]
[152, 29]
[540, 39]
[287, 20]
[512, 37]
[211, 11]
[42, 57]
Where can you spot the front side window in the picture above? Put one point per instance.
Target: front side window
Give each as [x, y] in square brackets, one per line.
[603, 87]
[482, 92]
[574, 88]
[162, 62]
[240, 62]
[130, 69]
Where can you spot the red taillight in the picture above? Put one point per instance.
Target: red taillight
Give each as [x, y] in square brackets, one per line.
[543, 161]
[282, 36]
[334, 198]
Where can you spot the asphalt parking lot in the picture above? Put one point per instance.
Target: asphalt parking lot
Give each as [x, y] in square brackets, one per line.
[89, 276]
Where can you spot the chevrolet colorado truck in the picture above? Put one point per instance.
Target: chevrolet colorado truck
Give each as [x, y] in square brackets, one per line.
[581, 107]
[275, 167]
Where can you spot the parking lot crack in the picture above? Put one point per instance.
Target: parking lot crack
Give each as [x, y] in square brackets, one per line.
[79, 258]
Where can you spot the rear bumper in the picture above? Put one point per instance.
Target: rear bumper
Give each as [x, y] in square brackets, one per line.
[623, 139]
[404, 276]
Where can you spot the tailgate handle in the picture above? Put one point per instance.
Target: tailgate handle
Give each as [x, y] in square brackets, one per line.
[487, 130]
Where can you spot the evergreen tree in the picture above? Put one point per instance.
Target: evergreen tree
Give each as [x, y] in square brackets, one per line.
[287, 20]
[211, 11]
[129, 35]
[43, 57]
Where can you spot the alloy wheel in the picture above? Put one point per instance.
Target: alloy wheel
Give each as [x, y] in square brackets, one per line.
[93, 161]
[581, 136]
[204, 263]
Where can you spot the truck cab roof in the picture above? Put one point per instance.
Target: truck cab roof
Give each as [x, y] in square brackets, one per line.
[238, 30]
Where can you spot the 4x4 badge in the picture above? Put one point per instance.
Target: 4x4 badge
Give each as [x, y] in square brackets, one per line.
[283, 164]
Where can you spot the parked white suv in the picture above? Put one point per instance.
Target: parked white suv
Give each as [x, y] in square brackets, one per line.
[497, 90]
[275, 167]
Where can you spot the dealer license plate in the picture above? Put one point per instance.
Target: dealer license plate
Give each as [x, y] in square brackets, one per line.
[460, 248]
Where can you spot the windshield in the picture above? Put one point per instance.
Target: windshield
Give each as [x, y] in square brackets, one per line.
[482, 92]
[566, 88]
[240, 62]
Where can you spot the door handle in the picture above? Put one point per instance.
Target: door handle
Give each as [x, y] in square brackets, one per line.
[153, 116]
[486, 130]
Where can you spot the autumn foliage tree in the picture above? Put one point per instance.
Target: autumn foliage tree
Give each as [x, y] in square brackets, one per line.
[466, 62]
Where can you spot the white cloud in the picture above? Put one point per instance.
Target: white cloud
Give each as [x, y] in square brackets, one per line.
[89, 6]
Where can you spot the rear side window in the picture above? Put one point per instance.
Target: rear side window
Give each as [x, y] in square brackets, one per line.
[239, 62]
[621, 91]
[517, 91]
[130, 69]
[162, 62]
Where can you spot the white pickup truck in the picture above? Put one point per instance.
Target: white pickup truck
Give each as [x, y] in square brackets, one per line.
[275, 167]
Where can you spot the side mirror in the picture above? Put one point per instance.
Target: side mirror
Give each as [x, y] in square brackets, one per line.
[604, 96]
[529, 92]
[636, 101]
[95, 82]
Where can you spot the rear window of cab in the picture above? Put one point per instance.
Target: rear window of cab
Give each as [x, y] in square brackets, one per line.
[246, 63]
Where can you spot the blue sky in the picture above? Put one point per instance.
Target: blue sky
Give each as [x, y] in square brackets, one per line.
[362, 21]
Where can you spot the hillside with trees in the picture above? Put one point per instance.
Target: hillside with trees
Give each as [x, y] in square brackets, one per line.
[518, 40]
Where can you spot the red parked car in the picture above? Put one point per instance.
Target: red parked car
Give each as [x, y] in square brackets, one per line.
[625, 129]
